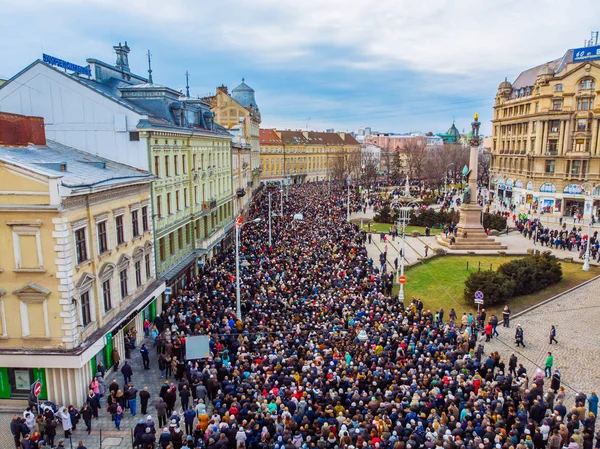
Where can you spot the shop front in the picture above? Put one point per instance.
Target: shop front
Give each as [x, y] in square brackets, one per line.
[574, 200]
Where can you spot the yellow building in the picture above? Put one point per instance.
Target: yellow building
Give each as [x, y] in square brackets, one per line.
[308, 155]
[239, 113]
[545, 154]
[77, 266]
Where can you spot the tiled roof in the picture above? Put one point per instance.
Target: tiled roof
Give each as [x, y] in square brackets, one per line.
[81, 169]
[350, 140]
[529, 77]
[293, 137]
[320, 138]
[269, 137]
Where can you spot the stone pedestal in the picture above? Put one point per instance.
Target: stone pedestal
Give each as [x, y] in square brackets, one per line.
[470, 233]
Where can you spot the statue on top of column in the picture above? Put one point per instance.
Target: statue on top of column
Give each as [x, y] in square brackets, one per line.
[475, 140]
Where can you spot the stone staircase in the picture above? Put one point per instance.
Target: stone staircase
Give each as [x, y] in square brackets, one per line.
[475, 239]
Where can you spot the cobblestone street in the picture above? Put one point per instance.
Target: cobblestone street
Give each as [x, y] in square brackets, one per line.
[576, 316]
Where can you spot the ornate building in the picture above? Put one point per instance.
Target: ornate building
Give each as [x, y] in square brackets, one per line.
[77, 266]
[128, 118]
[308, 155]
[545, 151]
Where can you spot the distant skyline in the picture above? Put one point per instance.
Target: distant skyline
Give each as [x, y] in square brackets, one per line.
[393, 65]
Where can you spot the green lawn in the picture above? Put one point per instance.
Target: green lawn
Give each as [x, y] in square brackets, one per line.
[384, 227]
[440, 283]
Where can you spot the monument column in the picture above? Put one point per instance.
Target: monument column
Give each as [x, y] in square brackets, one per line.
[473, 164]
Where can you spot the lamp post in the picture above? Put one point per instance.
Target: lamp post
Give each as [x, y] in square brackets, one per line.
[238, 226]
[403, 217]
[348, 203]
[588, 198]
[269, 219]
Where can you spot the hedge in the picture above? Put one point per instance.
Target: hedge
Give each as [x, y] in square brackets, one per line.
[433, 218]
[493, 221]
[517, 277]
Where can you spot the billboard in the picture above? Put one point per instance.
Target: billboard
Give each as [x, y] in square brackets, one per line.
[586, 54]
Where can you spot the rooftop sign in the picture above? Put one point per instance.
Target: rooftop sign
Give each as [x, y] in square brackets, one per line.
[586, 54]
[67, 65]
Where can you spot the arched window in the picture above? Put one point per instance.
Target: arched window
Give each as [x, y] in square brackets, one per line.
[587, 84]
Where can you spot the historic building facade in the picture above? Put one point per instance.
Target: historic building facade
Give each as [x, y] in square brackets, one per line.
[130, 119]
[545, 151]
[77, 269]
[308, 155]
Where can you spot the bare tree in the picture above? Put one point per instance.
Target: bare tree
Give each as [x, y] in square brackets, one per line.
[416, 152]
[370, 167]
[483, 169]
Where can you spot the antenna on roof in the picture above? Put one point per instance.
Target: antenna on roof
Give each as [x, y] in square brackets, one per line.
[187, 84]
[150, 67]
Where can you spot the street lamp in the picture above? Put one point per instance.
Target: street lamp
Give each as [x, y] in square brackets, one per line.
[348, 204]
[238, 225]
[588, 198]
[403, 217]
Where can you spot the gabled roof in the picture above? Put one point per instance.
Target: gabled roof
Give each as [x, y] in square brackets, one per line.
[350, 140]
[269, 137]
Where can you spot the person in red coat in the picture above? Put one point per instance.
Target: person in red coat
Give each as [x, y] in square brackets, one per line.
[488, 331]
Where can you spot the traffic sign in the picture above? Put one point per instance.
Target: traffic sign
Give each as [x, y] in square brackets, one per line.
[479, 295]
[168, 291]
[478, 301]
[402, 279]
[37, 388]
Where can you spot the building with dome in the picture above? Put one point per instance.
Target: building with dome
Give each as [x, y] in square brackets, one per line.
[545, 153]
[452, 136]
[238, 111]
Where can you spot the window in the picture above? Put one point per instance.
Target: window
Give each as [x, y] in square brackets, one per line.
[557, 105]
[175, 160]
[194, 162]
[581, 124]
[184, 168]
[159, 206]
[86, 314]
[552, 147]
[554, 126]
[171, 244]
[138, 273]
[167, 166]
[537, 107]
[161, 249]
[135, 225]
[102, 238]
[584, 104]
[80, 246]
[558, 88]
[180, 237]
[134, 136]
[177, 200]
[169, 203]
[106, 295]
[579, 145]
[185, 199]
[550, 166]
[145, 226]
[157, 165]
[586, 84]
[187, 233]
[195, 194]
[123, 283]
[147, 264]
[576, 167]
[120, 230]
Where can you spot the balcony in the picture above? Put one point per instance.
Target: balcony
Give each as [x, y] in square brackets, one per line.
[551, 152]
[240, 193]
[209, 205]
[215, 236]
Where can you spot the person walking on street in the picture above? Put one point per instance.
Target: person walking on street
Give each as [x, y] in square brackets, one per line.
[144, 398]
[145, 356]
[132, 397]
[506, 316]
[426, 249]
[549, 363]
[494, 321]
[161, 411]
[553, 335]
[116, 359]
[118, 417]
[519, 336]
[127, 372]
[87, 414]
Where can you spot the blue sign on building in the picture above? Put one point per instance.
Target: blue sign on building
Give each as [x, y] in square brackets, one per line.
[66, 65]
[586, 54]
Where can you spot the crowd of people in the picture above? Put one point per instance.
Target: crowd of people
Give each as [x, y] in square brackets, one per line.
[325, 357]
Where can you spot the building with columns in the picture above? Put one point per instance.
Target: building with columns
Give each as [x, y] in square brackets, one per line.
[77, 267]
[545, 154]
[128, 118]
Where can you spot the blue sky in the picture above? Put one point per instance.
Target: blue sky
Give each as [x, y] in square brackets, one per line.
[394, 65]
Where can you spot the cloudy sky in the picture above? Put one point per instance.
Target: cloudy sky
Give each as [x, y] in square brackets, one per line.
[394, 65]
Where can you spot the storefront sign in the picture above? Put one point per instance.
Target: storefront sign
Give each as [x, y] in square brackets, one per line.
[66, 65]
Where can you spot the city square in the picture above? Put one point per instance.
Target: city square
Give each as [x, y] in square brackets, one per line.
[272, 225]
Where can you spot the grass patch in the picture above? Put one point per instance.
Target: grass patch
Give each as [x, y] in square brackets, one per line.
[384, 227]
[423, 281]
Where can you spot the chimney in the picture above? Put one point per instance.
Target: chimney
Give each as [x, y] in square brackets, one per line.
[21, 130]
[222, 88]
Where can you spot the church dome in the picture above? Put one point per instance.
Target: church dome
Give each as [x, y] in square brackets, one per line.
[453, 131]
[244, 95]
[505, 84]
